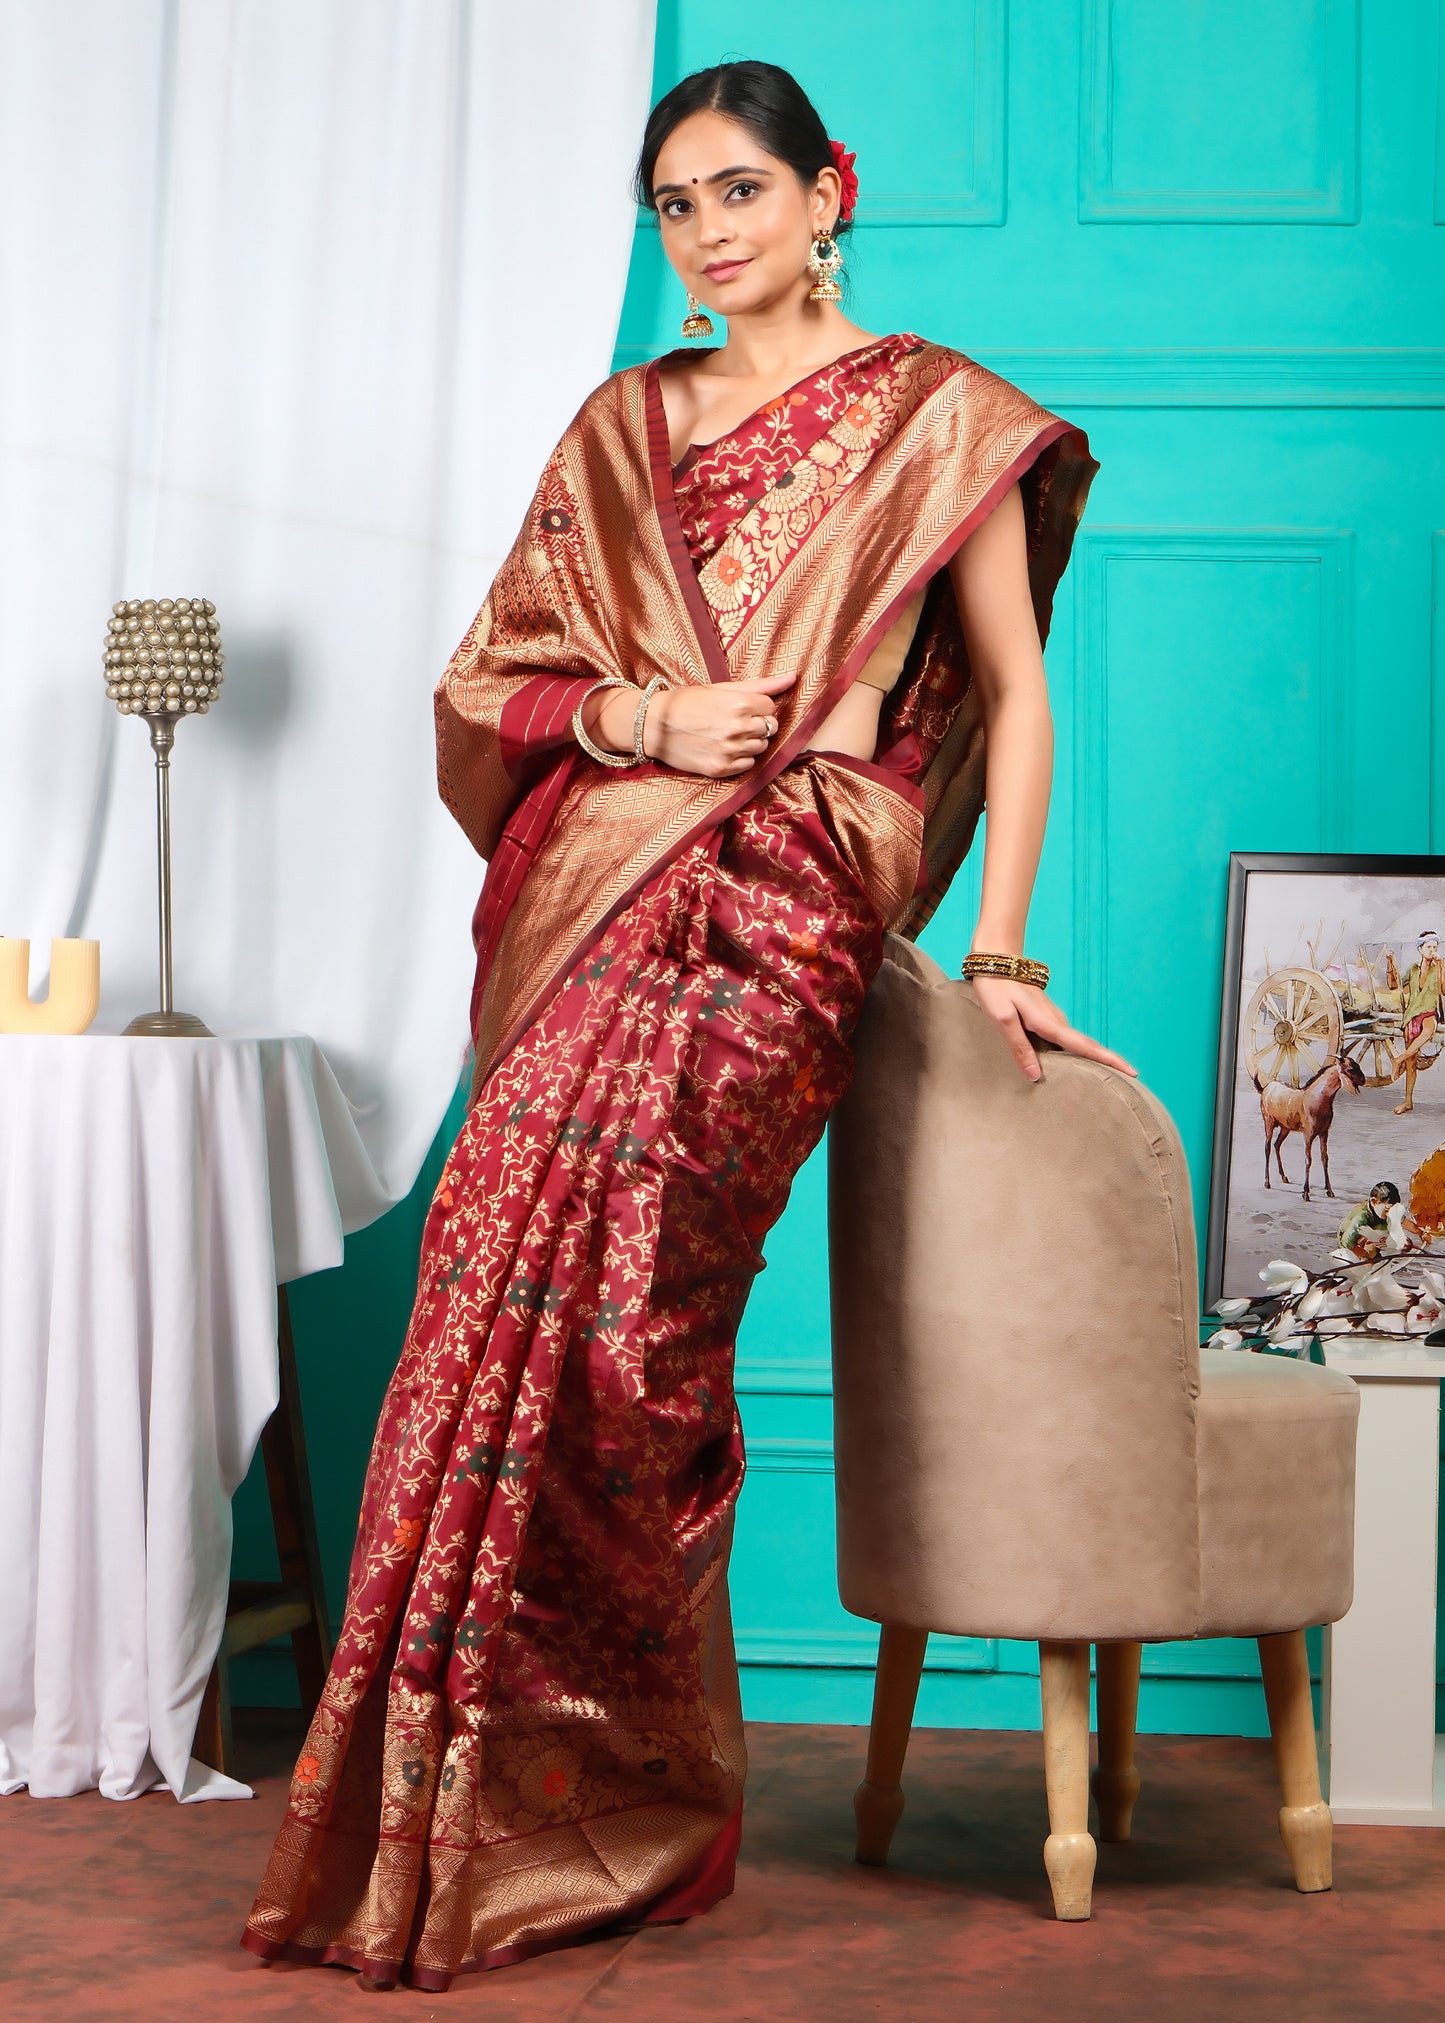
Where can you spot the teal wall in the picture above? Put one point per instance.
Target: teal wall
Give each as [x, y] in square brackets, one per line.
[1208, 232]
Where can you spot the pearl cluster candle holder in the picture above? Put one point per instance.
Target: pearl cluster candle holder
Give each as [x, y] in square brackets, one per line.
[163, 656]
[163, 661]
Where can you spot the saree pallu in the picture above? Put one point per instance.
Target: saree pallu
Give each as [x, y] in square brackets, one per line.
[531, 1726]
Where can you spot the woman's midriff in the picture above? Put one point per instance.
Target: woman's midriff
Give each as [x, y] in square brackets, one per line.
[851, 726]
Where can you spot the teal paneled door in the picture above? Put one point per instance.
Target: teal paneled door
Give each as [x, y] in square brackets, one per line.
[1210, 232]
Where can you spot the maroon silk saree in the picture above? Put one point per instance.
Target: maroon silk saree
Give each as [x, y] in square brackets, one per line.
[531, 1729]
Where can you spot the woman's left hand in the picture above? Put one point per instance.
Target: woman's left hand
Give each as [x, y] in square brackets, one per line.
[1018, 1009]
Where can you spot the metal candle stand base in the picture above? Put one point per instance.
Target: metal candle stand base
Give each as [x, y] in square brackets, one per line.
[168, 1026]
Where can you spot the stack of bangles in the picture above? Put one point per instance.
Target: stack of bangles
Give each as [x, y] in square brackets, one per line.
[637, 756]
[1017, 968]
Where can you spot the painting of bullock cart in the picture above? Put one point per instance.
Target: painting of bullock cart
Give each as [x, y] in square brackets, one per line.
[1329, 1136]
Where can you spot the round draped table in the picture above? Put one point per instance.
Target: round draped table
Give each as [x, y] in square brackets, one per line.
[153, 1194]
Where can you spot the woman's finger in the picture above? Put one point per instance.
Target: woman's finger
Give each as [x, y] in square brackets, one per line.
[1090, 1050]
[1012, 1028]
[1045, 1019]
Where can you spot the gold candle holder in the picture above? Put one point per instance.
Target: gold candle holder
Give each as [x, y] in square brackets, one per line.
[163, 661]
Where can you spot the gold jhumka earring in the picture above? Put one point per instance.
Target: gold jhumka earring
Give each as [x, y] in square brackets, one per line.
[825, 261]
[697, 322]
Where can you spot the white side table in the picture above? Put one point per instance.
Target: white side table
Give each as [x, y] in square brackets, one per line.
[153, 1194]
[1384, 1763]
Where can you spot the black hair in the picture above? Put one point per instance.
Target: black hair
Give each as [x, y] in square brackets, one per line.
[765, 99]
[1388, 1188]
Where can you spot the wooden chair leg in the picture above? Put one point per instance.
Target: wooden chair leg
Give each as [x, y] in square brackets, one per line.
[878, 1801]
[1116, 1781]
[1069, 1851]
[293, 1516]
[1305, 1825]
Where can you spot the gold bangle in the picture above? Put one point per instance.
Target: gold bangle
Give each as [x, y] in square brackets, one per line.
[579, 729]
[1017, 968]
[639, 722]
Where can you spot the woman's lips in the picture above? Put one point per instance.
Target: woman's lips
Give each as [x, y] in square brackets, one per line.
[725, 270]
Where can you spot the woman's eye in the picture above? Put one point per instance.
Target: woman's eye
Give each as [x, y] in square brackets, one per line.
[675, 207]
[743, 190]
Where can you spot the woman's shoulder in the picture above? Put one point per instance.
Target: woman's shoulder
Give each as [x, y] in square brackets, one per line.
[981, 386]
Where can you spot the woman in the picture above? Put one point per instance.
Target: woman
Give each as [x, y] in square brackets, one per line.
[724, 718]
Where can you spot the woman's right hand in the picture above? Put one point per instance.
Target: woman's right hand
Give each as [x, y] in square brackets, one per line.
[715, 732]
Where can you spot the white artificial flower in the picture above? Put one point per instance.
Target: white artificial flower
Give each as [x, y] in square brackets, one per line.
[1285, 1327]
[1432, 1282]
[1230, 1309]
[1338, 1299]
[1313, 1300]
[1388, 1324]
[1336, 1326]
[1280, 1277]
[1426, 1313]
[1382, 1292]
[1225, 1338]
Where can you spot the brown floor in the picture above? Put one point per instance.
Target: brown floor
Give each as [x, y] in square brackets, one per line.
[127, 1911]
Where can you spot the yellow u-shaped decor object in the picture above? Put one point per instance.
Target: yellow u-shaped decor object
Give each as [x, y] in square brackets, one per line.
[74, 995]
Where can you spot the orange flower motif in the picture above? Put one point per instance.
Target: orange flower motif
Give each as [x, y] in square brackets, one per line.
[803, 1086]
[548, 1781]
[408, 1533]
[803, 946]
[445, 1197]
[727, 581]
[308, 1770]
[858, 427]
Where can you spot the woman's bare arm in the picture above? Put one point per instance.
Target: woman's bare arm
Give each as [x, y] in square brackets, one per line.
[991, 583]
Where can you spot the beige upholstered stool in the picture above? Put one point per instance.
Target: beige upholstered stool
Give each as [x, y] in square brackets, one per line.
[1029, 1441]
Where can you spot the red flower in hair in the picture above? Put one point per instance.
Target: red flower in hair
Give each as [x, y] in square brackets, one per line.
[843, 163]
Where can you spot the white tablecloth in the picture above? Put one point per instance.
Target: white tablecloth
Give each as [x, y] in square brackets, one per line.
[153, 1193]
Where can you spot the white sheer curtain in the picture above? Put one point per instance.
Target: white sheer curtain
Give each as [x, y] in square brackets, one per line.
[298, 294]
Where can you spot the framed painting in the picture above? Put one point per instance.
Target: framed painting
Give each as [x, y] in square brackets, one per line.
[1329, 1131]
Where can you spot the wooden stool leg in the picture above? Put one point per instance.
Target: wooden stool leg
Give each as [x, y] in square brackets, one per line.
[1305, 1825]
[878, 1801]
[293, 1516]
[1116, 1781]
[212, 1742]
[1069, 1852]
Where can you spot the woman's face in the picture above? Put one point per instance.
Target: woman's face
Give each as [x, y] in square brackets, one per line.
[736, 222]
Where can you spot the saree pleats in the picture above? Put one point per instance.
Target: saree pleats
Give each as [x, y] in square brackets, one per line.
[531, 1727]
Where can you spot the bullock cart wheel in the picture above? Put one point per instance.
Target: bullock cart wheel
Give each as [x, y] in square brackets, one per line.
[1292, 1027]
